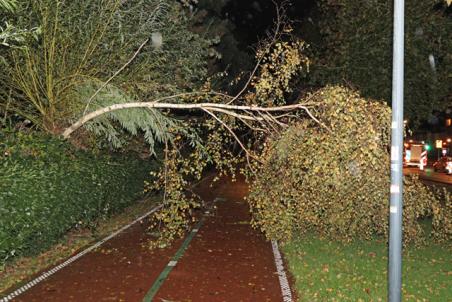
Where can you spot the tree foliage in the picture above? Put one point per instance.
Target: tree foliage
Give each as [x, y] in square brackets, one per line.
[223, 137]
[335, 183]
[357, 50]
[84, 43]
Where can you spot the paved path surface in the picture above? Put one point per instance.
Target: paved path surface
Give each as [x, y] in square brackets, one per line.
[226, 261]
[121, 270]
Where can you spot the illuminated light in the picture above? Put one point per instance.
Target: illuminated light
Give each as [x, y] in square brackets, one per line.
[449, 140]
[406, 145]
[410, 140]
[427, 147]
[448, 122]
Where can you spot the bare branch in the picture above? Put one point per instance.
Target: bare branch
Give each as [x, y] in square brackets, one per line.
[269, 43]
[237, 115]
[115, 74]
[316, 120]
[274, 120]
[247, 152]
[210, 106]
[285, 115]
[251, 127]
[267, 122]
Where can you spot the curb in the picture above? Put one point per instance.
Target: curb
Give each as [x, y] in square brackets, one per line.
[283, 282]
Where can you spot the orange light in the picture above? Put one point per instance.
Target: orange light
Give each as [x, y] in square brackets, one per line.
[449, 140]
[406, 145]
[448, 122]
[410, 140]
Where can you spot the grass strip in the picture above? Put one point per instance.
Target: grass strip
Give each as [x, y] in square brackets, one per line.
[326, 270]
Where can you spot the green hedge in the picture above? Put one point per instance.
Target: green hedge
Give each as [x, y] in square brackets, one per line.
[47, 187]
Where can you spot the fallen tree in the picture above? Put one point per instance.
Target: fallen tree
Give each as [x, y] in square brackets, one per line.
[196, 133]
[336, 184]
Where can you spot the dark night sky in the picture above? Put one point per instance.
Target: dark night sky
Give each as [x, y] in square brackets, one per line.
[253, 18]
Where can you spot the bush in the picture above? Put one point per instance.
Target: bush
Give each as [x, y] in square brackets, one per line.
[442, 217]
[334, 183]
[48, 187]
[51, 85]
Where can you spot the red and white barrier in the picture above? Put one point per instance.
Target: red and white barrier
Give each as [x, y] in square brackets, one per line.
[423, 160]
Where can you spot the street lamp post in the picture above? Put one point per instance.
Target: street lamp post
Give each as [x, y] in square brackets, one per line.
[396, 199]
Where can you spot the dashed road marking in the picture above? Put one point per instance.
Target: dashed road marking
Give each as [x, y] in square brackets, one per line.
[169, 267]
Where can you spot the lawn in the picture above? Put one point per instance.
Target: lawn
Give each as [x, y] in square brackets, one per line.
[325, 270]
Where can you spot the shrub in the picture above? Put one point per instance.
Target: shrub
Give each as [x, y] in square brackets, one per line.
[48, 187]
[334, 183]
[78, 45]
[442, 217]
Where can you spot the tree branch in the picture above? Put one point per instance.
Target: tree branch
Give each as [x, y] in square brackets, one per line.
[115, 74]
[274, 37]
[200, 106]
[247, 152]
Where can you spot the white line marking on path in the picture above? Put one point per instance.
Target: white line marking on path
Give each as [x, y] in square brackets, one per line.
[283, 282]
[49, 273]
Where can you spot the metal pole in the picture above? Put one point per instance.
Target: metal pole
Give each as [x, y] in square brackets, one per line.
[396, 200]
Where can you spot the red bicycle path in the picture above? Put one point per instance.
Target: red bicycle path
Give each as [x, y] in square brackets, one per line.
[227, 260]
